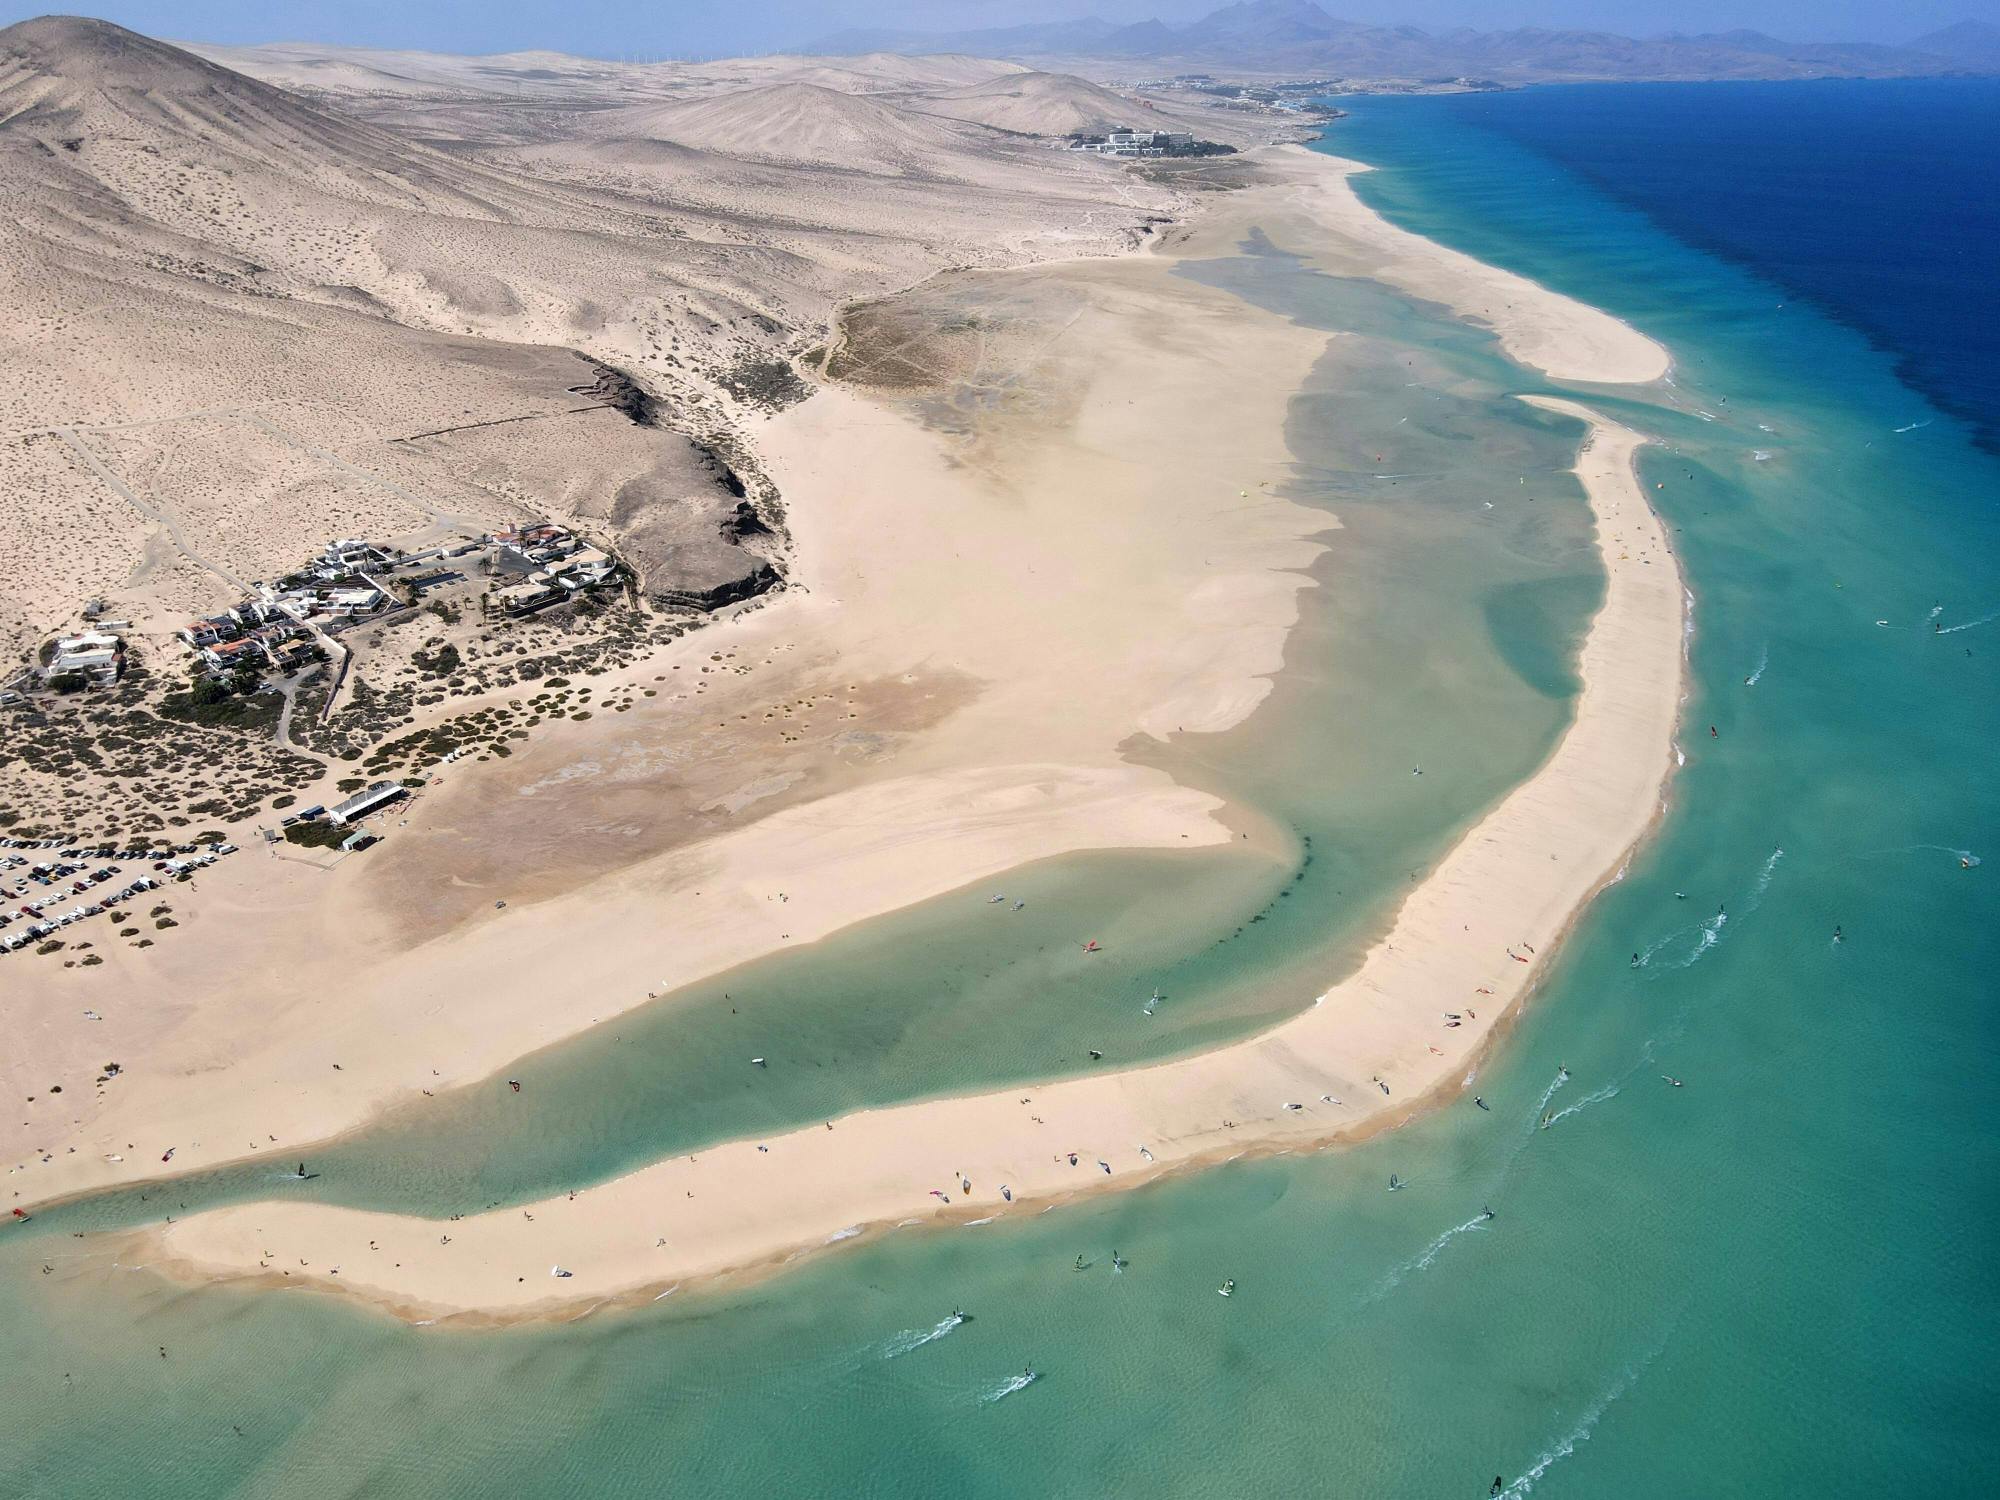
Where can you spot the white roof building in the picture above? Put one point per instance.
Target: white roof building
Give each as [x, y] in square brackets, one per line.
[365, 802]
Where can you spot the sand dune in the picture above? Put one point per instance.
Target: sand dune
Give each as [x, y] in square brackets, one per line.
[866, 72]
[1036, 104]
[519, 75]
[796, 121]
[539, 75]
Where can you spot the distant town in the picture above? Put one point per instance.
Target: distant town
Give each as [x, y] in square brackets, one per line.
[1139, 143]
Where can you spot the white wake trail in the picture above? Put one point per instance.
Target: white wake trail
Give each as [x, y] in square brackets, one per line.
[1609, 1091]
[1424, 1261]
[1710, 932]
[911, 1340]
[1585, 1425]
[1001, 1392]
[1986, 619]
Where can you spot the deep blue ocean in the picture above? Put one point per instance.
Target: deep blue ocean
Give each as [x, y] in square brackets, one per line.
[1778, 1279]
[1878, 199]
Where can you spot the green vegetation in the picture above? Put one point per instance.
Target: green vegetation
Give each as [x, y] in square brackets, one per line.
[318, 834]
[440, 663]
[132, 758]
[236, 704]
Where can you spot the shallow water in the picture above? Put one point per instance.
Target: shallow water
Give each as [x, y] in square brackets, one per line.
[1776, 1278]
[1425, 643]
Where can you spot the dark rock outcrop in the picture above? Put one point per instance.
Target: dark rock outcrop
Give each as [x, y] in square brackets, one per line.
[619, 391]
[743, 522]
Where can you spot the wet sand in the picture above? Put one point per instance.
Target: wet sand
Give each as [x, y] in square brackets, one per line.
[1092, 545]
[1468, 944]
[992, 596]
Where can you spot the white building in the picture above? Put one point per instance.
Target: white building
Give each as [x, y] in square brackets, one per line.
[212, 628]
[352, 552]
[354, 601]
[363, 803]
[93, 654]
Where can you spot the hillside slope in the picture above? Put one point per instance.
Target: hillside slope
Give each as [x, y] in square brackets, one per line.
[197, 251]
[794, 122]
[1034, 104]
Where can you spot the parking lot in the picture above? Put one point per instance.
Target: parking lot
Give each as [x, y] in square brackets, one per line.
[48, 885]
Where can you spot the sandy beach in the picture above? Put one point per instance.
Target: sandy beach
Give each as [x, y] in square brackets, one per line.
[1471, 941]
[1068, 571]
[903, 723]
[1331, 228]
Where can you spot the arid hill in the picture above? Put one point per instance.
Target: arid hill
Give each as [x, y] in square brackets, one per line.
[189, 253]
[796, 122]
[1035, 104]
[227, 305]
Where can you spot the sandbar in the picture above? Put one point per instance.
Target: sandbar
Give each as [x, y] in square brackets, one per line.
[1469, 943]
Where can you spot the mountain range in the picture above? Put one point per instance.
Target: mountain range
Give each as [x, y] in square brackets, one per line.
[1300, 39]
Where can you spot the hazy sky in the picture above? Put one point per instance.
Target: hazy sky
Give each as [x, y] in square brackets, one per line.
[704, 27]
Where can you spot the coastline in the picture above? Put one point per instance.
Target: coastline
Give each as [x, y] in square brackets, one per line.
[1543, 329]
[904, 721]
[975, 793]
[1372, 1044]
